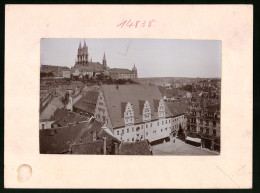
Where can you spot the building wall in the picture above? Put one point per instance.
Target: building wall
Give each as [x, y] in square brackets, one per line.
[177, 122]
[152, 131]
[45, 124]
[123, 75]
[66, 74]
[203, 125]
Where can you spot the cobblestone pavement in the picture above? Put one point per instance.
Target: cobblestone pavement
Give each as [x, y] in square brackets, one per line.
[180, 148]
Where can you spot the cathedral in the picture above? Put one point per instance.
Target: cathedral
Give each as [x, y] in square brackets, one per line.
[85, 66]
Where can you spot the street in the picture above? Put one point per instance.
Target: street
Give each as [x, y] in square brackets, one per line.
[180, 148]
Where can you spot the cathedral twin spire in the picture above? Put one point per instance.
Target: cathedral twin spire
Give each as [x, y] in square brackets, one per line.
[83, 55]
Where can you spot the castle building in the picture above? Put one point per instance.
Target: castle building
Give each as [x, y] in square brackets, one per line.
[134, 112]
[84, 66]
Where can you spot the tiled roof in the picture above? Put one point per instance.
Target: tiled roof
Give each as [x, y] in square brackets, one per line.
[95, 147]
[136, 148]
[88, 102]
[116, 95]
[78, 136]
[48, 110]
[63, 117]
[59, 140]
[90, 67]
[120, 71]
[177, 108]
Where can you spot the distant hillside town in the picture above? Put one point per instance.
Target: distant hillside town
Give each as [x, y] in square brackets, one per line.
[93, 109]
[84, 68]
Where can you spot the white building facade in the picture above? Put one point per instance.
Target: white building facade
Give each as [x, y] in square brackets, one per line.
[153, 123]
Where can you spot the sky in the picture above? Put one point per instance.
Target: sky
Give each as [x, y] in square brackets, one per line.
[152, 57]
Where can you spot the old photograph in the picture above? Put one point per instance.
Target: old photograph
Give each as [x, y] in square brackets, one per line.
[130, 96]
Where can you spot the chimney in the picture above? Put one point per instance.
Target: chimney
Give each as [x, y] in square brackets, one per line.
[105, 145]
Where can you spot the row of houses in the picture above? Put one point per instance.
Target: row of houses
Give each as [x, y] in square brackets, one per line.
[134, 113]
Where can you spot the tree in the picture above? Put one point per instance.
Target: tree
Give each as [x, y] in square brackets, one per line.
[100, 76]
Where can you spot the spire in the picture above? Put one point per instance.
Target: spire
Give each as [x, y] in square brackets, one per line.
[104, 60]
[84, 43]
[80, 45]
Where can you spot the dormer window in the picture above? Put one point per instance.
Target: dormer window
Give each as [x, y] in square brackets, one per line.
[146, 111]
[129, 114]
[161, 109]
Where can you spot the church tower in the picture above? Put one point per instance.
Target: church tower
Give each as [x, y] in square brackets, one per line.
[85, 53]
[104, 61]
[80, 54]
[134, 71]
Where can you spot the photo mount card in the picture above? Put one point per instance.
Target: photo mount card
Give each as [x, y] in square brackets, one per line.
[51, 41]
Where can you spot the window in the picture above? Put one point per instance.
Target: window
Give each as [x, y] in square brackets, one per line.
[201, 129]
[133, 139]
[151, 124]
[42, 126]
[158, 123]
[117, 132]
[214, 123]
[127, 130]
[146, 133]
[123, 131]
[161, 130]
[132, 129]
[142, 126]
[214, 131]
[166, 128]
[146, 125]
[166, 122]
[127, 140]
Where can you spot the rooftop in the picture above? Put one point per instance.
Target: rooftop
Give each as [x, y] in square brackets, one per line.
[177, 108]
[64, 117]
[88, 102]
[116, 95]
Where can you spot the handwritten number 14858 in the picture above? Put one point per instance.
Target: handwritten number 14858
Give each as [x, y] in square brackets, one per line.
[130, 23]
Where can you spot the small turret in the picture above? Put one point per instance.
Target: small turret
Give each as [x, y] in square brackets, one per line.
[80, 47]
[104, 60]
[134, 69]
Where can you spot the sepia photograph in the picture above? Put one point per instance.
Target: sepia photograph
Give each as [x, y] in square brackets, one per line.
[130, 96]
[134, 98]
